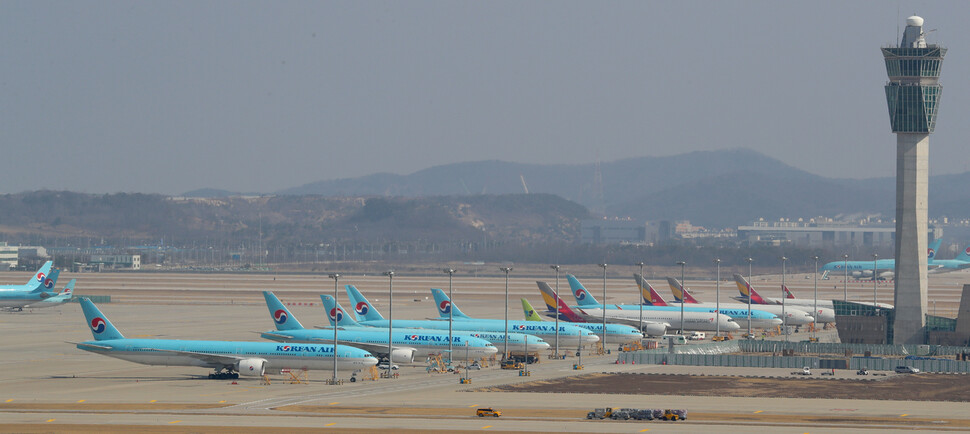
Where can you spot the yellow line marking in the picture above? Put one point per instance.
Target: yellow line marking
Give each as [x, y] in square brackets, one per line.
[80, 401]
[645, 430]
[51, 420]
[759, 411]
[154, 400]
[473, 405]
[174, 421]
[333, 403]
[9, 400]
[904, 415]
[331, 424]
[486, 427]
[222, 402]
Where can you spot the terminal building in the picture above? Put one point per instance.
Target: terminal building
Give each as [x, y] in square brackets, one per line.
[132, 262]
[865, 324]
[822, 234]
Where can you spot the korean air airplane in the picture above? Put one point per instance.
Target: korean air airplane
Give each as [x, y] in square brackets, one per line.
[796, 314]
[962, 261]
[759, 319]
[693, 321]
[615, 333]
[884, 267]
[228, 359]
[569, 335]
[406, 344]
[37, 281]
[367, 314]
[64, 296]
[17, 299]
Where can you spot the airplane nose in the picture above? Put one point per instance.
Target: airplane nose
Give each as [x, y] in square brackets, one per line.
[775, 322]
[489, 350]
[590, 339]
[540, 346]
[732, 326]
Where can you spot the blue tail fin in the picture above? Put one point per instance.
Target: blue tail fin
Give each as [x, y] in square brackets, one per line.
[282, 317]
[444, 305]
[38, 281]
[336, 313]
[933, 249]
[583, 297]
[49, 281]
[101, 328]
[363, 310]
[68, 291]
[964, 255]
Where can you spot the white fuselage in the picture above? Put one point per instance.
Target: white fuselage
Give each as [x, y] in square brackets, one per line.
[693, 321]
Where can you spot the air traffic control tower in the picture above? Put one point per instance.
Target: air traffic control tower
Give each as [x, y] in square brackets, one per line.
[913, 95]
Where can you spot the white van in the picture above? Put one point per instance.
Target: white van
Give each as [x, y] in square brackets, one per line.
[698, 336]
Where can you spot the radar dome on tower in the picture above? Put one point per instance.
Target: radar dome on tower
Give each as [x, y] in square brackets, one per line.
[914, 21]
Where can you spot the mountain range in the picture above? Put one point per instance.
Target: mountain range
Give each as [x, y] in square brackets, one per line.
[723, 188]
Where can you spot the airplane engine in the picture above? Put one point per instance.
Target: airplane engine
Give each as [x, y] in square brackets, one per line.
[655, 329]
[856, 274]
[402, 355]
[251, 367]
[887, 275]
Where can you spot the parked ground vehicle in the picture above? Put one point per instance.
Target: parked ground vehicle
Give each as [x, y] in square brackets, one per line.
[862, 371]
[475, 366]
[512, 364]
[804, 371]
[698, 336]
[482, 412]
[600, 413]
[675, 415]
[906, 370]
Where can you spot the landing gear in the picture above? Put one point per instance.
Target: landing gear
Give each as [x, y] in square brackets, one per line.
[224, 375]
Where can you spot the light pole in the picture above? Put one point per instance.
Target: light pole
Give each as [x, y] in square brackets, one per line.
[640, 295]
[390, 320]
[683, 296]
[603, 342]
[556, 267]
[505, 350]
[336, 278]
[784, 316]
[451, 309]
[815, 304]
[845, 280]
[875, 258]
[717, 294]
[749, 297]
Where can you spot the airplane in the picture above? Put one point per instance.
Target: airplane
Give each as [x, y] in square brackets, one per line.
[37, 281]
[693, 321]
[650, 328]
[759, 319]
[229, 359]
[64, 296]
[369, 316]
[795, 315]
[962, 261]
[11, 299]
[568, 333]
[885, 268]
[407, 344]
[615, 333]
[799, 303]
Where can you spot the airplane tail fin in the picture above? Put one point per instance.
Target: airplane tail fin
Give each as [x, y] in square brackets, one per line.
[548, 295]
[650, 295]
[335, 312]
[101, 328]
[282, 317]
[530, 313]
[747, 291]
[40, 280]
[933, 248]
[583, 297]
[964, 255]
[445, 305]
[362, 307]
[681, 294]
[48, 283]
[788, 294]
[69, 289]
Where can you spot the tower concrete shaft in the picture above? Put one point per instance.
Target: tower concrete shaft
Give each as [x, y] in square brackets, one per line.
[913, 94]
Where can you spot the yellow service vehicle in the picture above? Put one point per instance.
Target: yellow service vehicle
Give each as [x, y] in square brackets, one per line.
[482, 412]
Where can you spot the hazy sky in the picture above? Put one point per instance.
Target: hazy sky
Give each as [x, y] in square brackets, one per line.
[163, 96]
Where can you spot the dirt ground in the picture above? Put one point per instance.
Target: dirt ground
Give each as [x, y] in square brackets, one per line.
[922, 387]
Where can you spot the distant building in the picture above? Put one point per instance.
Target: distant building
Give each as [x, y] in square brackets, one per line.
[117, 261]
[8, 256]
[822, 234]
[613, 231]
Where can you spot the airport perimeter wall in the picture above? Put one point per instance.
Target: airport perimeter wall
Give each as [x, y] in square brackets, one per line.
[811, 354]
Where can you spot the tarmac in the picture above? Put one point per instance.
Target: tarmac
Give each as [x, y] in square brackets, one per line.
[46, 384]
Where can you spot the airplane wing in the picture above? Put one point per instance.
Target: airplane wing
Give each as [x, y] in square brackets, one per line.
[374, 348]
[91, 346]
[277, 335]
[213, 359]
